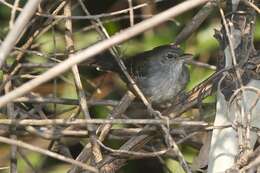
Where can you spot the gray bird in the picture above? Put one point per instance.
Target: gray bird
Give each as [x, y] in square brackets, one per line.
[161, 73]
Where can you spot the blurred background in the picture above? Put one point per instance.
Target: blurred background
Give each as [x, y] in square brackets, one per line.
[49, 48]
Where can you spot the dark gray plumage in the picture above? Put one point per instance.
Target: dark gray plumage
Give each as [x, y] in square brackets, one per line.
[160, 73]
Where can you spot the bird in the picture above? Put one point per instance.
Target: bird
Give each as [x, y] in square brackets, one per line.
[160, 73]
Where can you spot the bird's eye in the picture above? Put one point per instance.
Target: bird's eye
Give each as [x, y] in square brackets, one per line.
[170, 56]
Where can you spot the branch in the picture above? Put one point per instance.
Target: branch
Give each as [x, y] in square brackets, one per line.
[99, 47]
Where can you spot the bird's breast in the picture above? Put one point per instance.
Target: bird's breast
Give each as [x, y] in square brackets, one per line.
[161, 84]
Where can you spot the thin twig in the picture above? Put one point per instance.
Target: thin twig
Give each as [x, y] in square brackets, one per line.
[252, 5]
[81, 94]
[63, 122]
[93, 50]
[196, 21]
[17, 29]
[27, 161]
[46, 152]
[13, 14]
[65, 101]
[203, 65]
[15, 66]
[91, 17]
[117, 111]
[133, 153]
[131, 12]
[11, 114]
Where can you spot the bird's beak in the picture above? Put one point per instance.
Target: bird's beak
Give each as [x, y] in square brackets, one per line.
[186, 57]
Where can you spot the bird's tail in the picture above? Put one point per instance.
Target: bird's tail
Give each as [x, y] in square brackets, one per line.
[104, 62]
